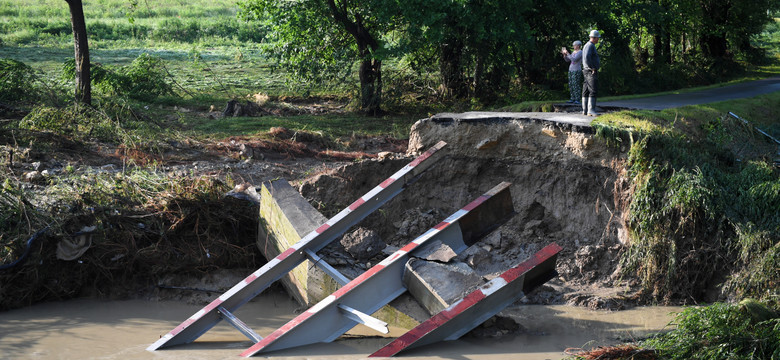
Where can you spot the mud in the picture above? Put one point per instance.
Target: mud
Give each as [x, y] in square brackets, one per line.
[94, 329]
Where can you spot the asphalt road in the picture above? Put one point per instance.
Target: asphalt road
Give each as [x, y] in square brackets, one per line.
[576, 119]
[743, 90]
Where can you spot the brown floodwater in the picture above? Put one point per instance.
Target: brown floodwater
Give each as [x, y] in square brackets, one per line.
[95, 329]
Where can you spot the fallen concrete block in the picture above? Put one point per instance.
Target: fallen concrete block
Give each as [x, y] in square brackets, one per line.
[437, 286]
[286, 217]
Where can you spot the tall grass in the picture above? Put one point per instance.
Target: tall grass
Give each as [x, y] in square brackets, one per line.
[704, 213]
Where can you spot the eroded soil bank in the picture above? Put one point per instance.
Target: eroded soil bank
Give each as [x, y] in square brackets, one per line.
[566, 188]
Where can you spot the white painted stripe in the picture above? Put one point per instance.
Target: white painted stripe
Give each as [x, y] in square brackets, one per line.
[371, 194]
[198, 314]
[389, 260]
[427, 235]
[493, 286]
[232, 291]
[457, 215]
[323, 303]
[269, 264]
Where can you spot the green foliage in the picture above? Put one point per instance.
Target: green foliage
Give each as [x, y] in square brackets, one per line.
[697, 211]
[18, 81]
[144, 79]
[77, 122]
[721, 331]
[148, 78]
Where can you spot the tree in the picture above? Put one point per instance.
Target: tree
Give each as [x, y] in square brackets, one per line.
[472, 42]
[319, 39]
[83, 84]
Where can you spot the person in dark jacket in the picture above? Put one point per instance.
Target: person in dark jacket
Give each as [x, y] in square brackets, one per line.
[590, 68]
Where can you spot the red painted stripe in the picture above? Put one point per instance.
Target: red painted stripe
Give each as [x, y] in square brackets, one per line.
[386, 183]
[472, 205]
[213, 305]
[441, 226]
[181, 327]
[431, 324]
[357, 204]
[358, 280]
[277, 334]
[538, 258]
[425, 155]
[322, 228]
[409, 247]
[286, 253]
[250, 278]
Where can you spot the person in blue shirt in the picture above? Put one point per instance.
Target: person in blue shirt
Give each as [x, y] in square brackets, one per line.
[590, 68]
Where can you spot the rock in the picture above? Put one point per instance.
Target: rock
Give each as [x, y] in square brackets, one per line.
[33, 176]
[476, 256]
[384, 155]
[493, 239]
[362, 244]
[36, 166]
[435, 251]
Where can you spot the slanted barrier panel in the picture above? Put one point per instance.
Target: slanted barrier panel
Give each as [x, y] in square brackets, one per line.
[480, 305]
[277, 267]
[379, 285]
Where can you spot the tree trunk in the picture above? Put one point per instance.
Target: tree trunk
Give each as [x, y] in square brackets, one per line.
[370, 71]
[452, 79]
[83, 85]
[371, 86]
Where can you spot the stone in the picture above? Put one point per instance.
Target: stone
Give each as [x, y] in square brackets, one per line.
[363, 244]
[437, 286]
[33, 176]
[435, 251]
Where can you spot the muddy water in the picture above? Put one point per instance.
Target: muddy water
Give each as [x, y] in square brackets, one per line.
[93, 329]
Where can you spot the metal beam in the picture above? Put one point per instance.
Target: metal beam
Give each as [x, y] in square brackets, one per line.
[277, 267]
[478, 306]
[238, 324]
[330, 270]
[365, 319]
[383, 282]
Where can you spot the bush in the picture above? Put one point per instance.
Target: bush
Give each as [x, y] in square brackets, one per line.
[721, 331]
[176, 30]
[144, 79]
[78, 122]
[17, 81]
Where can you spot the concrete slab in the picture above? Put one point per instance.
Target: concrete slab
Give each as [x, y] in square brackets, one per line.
[285, 218]
[437, 286]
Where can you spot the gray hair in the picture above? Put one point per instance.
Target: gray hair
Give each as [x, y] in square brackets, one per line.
[577, 43]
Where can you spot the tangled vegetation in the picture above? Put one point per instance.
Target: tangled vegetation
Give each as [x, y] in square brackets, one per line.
[144, 79]
[745, 331]
[748, 330]
[142, 225]
[704, 204]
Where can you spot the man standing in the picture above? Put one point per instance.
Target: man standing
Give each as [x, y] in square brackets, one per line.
[590, 68]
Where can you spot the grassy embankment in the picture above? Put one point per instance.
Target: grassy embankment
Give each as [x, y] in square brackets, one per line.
[704, 215]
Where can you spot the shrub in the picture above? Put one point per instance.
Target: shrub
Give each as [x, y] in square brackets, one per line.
[721, 331]
[144, 79]
[17, 81]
